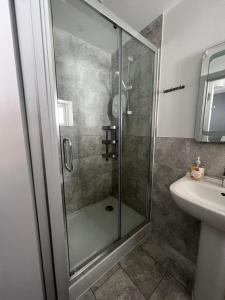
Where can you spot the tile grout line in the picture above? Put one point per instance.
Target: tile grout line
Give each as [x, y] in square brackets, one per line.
[158, 285]
[156, 261]
[178, 281]
[132, 280]
[167, 271]
[106, 278]
[93, 294]
[88, 290]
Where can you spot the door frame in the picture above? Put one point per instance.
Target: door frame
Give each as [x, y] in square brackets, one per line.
[33, 20]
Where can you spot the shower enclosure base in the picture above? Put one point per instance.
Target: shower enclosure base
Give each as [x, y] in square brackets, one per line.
[80, 285]
[94, 227]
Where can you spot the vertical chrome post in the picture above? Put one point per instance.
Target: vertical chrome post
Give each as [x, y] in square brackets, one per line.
[154, 126]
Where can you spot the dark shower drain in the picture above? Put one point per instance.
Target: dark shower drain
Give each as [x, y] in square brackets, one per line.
[109, 208]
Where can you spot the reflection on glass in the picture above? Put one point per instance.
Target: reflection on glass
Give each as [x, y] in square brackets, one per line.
[214, 120]
[86, 54]
[137, 75]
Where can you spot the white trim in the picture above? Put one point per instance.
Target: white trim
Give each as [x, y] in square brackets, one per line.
[36, 55]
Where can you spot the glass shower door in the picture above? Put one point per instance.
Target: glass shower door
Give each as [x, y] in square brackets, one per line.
[87, 59]
[105, 94]
[137, 94]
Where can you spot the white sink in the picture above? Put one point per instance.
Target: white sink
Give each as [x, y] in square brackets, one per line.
[205, 200]
[201, 199]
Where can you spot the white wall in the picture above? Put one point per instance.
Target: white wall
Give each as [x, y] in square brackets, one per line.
[20, 268]
[189, 28]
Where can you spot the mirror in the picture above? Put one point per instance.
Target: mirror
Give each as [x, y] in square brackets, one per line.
[210, 120]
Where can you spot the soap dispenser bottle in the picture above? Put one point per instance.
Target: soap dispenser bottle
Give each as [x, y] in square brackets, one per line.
[197, 170]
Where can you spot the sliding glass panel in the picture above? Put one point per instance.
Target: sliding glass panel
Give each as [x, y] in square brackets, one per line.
[137, 99]
[86, 57]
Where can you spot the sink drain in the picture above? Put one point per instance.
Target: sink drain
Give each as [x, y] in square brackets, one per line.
[223, 194]
[109, 208]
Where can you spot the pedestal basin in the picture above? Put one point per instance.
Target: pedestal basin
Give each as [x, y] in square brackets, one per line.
[205, 200]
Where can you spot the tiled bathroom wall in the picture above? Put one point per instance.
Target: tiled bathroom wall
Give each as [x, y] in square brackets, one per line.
[173, 158]
[80, 68]
[153, 32]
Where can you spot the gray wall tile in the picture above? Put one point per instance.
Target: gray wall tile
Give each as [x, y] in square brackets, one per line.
[80, 68]
[173, 152]
[153, 31]
[173, 158]
[212, 157]
[137, 127]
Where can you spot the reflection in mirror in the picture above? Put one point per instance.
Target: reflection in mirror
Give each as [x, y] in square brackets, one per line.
[210, 121]
[215, 106]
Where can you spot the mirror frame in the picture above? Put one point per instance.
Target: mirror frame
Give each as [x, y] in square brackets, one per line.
[200, 135]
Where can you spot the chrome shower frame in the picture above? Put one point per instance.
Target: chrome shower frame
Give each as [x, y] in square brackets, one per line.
[35, 41]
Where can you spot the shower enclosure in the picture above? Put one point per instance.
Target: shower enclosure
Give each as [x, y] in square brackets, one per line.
[96, 130]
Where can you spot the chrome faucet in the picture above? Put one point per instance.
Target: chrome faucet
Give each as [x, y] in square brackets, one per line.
[223, 179]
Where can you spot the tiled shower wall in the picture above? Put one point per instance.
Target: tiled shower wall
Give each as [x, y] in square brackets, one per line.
[80, 68]
[153, 32]
[137, 126]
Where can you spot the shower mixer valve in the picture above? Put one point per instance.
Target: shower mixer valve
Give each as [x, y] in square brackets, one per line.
[110, 142]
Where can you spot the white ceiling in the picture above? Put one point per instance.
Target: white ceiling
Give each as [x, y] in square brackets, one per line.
[76, 18]
[139, 13]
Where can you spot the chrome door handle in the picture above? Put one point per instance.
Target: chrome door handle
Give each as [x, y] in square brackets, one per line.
[67, 154]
